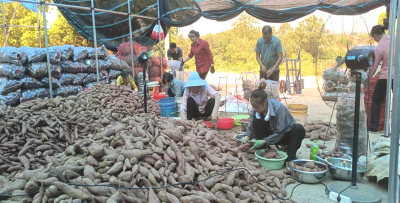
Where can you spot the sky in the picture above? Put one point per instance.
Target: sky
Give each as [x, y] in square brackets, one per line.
[205, 26]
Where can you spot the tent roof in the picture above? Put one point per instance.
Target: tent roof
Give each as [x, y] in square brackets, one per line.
[113, 29]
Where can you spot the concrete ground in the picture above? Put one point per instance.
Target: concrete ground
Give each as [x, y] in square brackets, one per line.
[317, 111]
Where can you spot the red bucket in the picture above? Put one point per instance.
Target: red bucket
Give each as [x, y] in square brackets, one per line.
[159, 96]
[208, 124]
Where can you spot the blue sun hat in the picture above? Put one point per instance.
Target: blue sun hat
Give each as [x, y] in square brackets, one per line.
[195, 80]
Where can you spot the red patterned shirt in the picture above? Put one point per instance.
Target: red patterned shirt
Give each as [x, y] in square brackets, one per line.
[202, 55]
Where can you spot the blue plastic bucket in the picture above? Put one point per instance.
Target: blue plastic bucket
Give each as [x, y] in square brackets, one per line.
[168, 107]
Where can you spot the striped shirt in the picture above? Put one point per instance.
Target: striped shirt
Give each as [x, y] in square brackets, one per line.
[177, 87]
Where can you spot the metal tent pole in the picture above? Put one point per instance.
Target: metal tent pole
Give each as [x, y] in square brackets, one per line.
[393, 193]
[47, 50]
[95, 41]
[4, 23]
[9, 28]
[392, 24]
[130, 34]
[26, 26]
[159, 41]
[38, 23]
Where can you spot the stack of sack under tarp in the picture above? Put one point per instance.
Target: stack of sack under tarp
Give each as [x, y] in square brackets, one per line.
[24, 76]
[153, 69]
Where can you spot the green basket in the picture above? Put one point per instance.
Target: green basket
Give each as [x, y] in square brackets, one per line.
[238, 118]
[272, 164]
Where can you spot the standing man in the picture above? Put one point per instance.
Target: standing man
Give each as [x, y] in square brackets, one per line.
[175, 53]
[269, 54]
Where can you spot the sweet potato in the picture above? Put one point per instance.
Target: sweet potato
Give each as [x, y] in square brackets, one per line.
[276, 191]
[137, 153]
[277, 182]
[277, 174]
[310, 164]
[70, 191]
[193, 199]
[174, 134]
[214, 160]
[220, 187]
[316, 127]
[283, 191]
[213, 181]
[96, 151]
[314, 136]
[51, 191]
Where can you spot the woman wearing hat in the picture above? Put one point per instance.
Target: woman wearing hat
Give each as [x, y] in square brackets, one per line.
[126, 80]
[199, 99]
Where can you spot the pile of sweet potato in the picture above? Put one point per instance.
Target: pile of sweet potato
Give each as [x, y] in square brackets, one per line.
[318, 131]
[140, 151]
[328, 154]
[271, 154]
[35, 131]
[309, 166]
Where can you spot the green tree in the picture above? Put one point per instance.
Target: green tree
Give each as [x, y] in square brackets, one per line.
[21, 36]
[173, 33]
[61, 32]
[381, 17]
[308, 34]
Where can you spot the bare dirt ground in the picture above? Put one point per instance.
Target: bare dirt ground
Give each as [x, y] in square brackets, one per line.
[317, 111]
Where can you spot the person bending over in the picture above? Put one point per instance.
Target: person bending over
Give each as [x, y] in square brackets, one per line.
[126, 80]
[174, 87]
[199, 100]
[271, 123]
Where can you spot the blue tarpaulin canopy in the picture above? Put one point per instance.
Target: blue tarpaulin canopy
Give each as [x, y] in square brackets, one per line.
[30, 6]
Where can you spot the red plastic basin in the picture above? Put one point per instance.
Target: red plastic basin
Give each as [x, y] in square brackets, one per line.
[225, 123]
[208, 124]
[159, 96]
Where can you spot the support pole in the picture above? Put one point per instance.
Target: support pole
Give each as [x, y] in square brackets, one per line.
[144, 87]
[166, 47]
[393, 193]
[9, 28]
[38, 23]
[356, 127]
[47, 50]
[4, 23]
[130, 37]
[159, 41]
[392, 24]
[95, 41]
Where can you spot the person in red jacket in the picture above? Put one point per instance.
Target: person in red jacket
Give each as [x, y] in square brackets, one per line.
[201, 51]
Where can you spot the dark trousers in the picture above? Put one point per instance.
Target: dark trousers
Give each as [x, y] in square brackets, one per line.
[170, 93]
[193, 109]
[274, 76]
[377, 99]
[292, 138]
[203, 75]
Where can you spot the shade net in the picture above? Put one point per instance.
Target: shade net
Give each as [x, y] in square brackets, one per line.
[113, 29]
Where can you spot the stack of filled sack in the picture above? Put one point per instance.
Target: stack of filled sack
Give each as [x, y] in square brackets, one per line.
[335, 81]
[153, 69]
[24, 76]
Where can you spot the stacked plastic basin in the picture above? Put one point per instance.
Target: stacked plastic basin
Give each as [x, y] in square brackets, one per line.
[168, 107]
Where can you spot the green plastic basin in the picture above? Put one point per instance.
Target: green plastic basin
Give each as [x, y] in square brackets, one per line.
[238, 118]
[272, 164]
